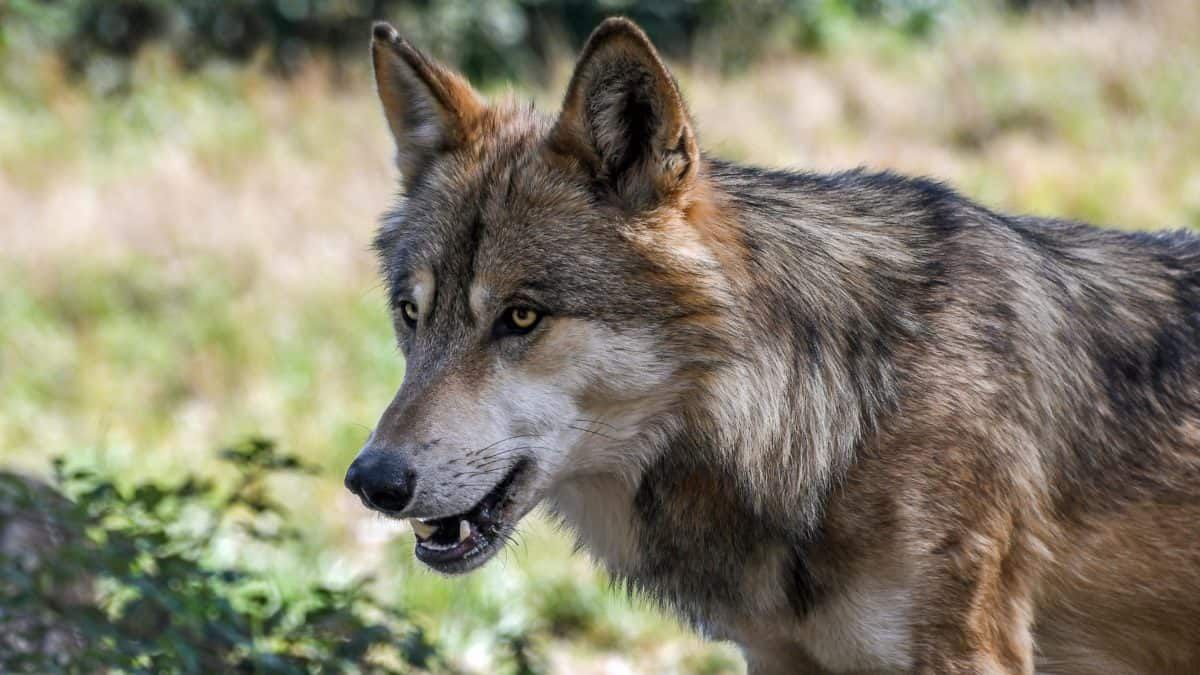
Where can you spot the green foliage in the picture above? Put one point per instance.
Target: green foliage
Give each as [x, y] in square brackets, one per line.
[145, 596]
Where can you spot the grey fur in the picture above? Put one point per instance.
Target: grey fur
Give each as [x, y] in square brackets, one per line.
[875, 378]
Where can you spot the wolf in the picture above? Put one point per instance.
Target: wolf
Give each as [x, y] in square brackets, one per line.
[851, 422]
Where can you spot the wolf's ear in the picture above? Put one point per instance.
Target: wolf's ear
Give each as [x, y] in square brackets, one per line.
[624, 118]
[430, 108]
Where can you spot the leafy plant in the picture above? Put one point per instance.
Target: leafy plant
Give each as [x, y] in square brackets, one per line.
[120, 578]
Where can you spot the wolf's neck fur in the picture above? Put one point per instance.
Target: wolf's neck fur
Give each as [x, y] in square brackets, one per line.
[798, 378]
[826, 293]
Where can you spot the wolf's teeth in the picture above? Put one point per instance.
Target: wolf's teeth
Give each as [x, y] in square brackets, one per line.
[464, 530]
[422, 530]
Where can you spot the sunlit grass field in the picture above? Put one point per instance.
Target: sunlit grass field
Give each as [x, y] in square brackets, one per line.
[187, 265]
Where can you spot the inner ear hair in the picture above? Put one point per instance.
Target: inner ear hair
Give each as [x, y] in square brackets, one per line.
[625, 119]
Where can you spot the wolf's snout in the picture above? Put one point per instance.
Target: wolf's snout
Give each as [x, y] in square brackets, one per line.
[382, 479]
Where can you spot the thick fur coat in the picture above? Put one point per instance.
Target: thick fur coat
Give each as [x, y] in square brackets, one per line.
[852, 422]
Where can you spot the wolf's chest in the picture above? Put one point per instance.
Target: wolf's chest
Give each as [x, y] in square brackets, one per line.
[863, 628]
[706, 557]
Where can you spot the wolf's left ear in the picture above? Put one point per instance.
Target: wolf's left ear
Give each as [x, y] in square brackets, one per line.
[625, 119]
[430, 108]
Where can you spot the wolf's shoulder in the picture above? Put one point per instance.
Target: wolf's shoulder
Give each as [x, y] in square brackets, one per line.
[861, 181]
[866, 196]
[931, 201]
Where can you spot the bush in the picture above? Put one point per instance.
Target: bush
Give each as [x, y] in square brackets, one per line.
[113, 578]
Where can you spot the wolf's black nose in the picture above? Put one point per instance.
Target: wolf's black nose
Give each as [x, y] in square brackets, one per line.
[382, 479]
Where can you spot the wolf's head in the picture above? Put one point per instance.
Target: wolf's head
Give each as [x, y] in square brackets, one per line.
[553, 283]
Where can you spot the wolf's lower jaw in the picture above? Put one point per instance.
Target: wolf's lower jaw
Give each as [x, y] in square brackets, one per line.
[460, 543]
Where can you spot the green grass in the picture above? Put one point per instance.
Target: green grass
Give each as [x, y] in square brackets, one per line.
[120, 353]
[188, 265]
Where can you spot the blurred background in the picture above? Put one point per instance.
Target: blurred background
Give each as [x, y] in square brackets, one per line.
[194, 342]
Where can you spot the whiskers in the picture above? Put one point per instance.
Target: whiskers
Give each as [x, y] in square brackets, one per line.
[494, 464]
[478, 467]
[473, 453]
[574, 424]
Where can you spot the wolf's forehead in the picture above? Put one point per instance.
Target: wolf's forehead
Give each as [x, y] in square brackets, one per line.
[506, 216]
[493, 217]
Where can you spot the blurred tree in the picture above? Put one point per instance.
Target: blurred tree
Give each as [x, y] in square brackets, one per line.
[486, 38]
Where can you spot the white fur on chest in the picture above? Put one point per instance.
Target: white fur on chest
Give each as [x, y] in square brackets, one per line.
[864, 628]
[599, 510]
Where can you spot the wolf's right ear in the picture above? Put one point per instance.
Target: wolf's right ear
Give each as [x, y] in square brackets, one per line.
[430, 108]
[624, 118]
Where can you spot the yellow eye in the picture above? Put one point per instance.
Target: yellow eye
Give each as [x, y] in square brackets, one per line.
[409, 310]
[523, 317]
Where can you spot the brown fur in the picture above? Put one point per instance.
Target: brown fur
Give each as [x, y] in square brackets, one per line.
[892, 430]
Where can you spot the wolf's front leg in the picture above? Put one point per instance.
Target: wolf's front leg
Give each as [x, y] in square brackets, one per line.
[976, 610]
[777, 658]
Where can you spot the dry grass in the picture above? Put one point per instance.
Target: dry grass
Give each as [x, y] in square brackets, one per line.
[190, 264]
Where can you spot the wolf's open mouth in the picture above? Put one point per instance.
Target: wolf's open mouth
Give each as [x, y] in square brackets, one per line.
[461, 542]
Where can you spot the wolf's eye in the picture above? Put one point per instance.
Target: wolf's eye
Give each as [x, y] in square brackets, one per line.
[518, 321]
[523, 317]
[408, 310]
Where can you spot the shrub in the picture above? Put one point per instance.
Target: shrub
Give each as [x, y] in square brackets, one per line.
[104, 577]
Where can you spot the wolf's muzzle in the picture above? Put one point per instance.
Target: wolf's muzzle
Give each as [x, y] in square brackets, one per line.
[382, 479]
